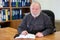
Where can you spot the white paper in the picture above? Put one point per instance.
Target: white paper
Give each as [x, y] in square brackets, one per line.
[26, 36]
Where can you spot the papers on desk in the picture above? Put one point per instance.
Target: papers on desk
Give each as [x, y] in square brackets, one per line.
[26, 36]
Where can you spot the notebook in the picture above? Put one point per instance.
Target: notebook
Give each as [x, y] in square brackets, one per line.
[26, 36]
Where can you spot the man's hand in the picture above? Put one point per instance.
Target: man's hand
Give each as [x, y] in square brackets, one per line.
[39, 34]
[24, 32]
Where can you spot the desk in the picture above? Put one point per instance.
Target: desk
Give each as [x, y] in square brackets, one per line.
[55, 36]
[8, 34]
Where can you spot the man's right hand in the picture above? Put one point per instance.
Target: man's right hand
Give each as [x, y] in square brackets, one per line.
[24, 32]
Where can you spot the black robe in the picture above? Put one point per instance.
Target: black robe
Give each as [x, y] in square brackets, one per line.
[42, 23]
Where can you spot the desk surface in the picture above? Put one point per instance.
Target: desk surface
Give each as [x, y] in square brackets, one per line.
[55, 36]
[8, 34]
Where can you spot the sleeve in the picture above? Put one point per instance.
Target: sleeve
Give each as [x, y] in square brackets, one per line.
[22, 26]
[49, 27]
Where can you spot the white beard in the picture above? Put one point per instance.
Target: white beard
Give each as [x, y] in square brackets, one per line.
[35, 15]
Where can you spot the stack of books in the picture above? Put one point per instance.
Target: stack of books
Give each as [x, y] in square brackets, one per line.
[17, 14]
[20, 3]
[5, 3]
[4, 15]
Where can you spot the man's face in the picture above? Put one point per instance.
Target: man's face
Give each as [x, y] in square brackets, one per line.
[35, 9]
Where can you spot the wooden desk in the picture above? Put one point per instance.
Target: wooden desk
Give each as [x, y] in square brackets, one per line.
[55, 36]
[8, 34]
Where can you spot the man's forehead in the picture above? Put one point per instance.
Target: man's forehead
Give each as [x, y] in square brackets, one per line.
[35, 4]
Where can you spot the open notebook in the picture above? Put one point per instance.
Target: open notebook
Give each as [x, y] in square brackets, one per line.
[26, 36]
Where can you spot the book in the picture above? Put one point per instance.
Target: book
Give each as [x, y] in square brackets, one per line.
[13, 14]
[26, 36]
[20, 3]
[27, 3]
[21, 15]
[3, 15]
[16, 3]
[6, 13]
[1, 5]
[5, 3]
[0, 16]
[13, 3]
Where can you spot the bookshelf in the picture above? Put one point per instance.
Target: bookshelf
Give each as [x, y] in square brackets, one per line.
[4, 13]
[15, 12]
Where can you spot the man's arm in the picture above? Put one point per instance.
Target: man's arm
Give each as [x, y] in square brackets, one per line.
[23, 26]
[49, 27]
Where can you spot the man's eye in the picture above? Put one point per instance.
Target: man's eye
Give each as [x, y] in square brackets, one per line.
[33, 8]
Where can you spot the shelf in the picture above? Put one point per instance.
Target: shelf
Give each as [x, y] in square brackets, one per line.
[4, 21]
[17, 20]
[4, 7]
[20, 7]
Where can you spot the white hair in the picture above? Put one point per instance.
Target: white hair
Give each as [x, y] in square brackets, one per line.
[35, 2]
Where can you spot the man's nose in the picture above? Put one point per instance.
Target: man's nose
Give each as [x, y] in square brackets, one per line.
[35, 10]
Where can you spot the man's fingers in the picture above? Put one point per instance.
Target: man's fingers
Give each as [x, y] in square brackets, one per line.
[24, 33]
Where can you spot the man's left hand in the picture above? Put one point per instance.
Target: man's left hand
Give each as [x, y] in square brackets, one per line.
[39, 34]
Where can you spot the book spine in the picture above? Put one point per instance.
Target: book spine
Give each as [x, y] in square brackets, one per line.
[6, 13]
[17, 14]
[6, 3]
[21, 16]
[16, 3]
[1, 3]
[13, 3]
[4, 16]
[0, 16]
[13, 14]
[20, 3]
[23, 3]
[27, 2]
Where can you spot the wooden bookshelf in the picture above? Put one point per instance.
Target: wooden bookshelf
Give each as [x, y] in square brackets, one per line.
[15, 23]
[5, 23]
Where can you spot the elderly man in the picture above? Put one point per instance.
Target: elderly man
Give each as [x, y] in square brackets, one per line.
[36, 22]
